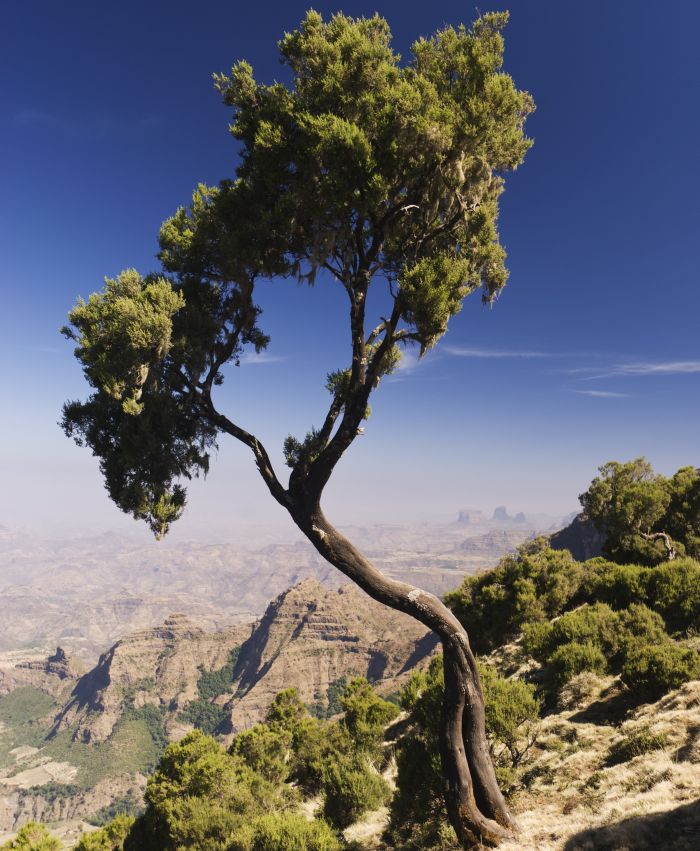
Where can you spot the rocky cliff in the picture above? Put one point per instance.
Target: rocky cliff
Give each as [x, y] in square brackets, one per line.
[311, 636]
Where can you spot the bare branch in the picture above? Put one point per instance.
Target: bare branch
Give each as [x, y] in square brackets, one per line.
[262, 459]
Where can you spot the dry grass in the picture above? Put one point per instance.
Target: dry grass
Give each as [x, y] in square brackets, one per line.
[576, 802]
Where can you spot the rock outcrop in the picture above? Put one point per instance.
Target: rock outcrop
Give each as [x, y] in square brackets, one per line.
[311, 636]
[160, 666]
[581, 538]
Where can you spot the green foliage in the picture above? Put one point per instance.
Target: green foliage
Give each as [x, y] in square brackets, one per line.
[633, 642]
[32, 837]
[266, 750]
[417, 812]
[213, 683]
[573, 658]
[650, 670]
[672, 589]
[199, 797]
[532, 586]
[365, 715]
[592, 625]
[122, 332]
[365, 166]
[647, 518]
[512, 713]
[351, 787]
[109, 838]
[285, 832]
[635, 744]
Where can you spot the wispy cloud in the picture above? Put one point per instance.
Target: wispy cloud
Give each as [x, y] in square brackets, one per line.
[409, 362]
[460, 352]
[253, 358]
[647, 368]
[678, 367]
[77, 128]
[602, 394]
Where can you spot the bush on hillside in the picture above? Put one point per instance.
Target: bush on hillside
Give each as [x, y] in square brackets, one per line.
[366, 715]
[573, 658]
[351, 788]
[533, 585]
[199, 796]
[635, 744]
[672, 589]
[265, 750]
[111, 837]
[285, 832]
[651, 670]
[32, 837]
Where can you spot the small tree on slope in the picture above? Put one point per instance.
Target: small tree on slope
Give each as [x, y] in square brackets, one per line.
[375, 173]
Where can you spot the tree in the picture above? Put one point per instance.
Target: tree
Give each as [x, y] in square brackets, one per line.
[32, 837]
[375, 173]
[630, 504]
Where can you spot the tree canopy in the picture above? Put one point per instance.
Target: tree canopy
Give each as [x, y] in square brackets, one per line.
[364, 167]
[646, 517]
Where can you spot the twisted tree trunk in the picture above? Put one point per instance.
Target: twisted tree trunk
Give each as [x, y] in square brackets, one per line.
[475, 805]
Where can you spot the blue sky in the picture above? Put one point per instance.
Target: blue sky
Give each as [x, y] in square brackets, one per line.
[109, 119]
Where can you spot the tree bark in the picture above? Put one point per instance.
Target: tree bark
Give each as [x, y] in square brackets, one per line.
[475, 805]
[668, 543]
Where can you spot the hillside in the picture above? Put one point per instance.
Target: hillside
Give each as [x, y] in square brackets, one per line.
[71, 745]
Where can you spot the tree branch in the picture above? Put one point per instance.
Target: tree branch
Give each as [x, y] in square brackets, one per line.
[262, 459]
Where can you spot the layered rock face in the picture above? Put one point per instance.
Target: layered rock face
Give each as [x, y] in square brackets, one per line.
[310, 636]
[160, 666]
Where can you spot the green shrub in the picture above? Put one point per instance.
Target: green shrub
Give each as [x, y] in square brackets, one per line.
[32, 837]
[534, 585]
[366, 715]
[618, 585]
[199, 796]
[109, 838]
[650, 670]
[512, 712]
[596, 625]
[350, 789]
[635, 744]
[204, 716]
[674, 591]
[571, 659]
[285, 832]
[265, 750]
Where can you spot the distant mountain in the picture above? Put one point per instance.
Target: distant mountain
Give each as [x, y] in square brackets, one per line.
[85, 594]
[73, 744]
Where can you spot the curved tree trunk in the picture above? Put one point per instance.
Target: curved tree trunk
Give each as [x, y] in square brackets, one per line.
[475, 805]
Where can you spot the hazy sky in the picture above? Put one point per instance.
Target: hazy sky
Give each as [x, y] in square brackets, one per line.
[108, 121]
